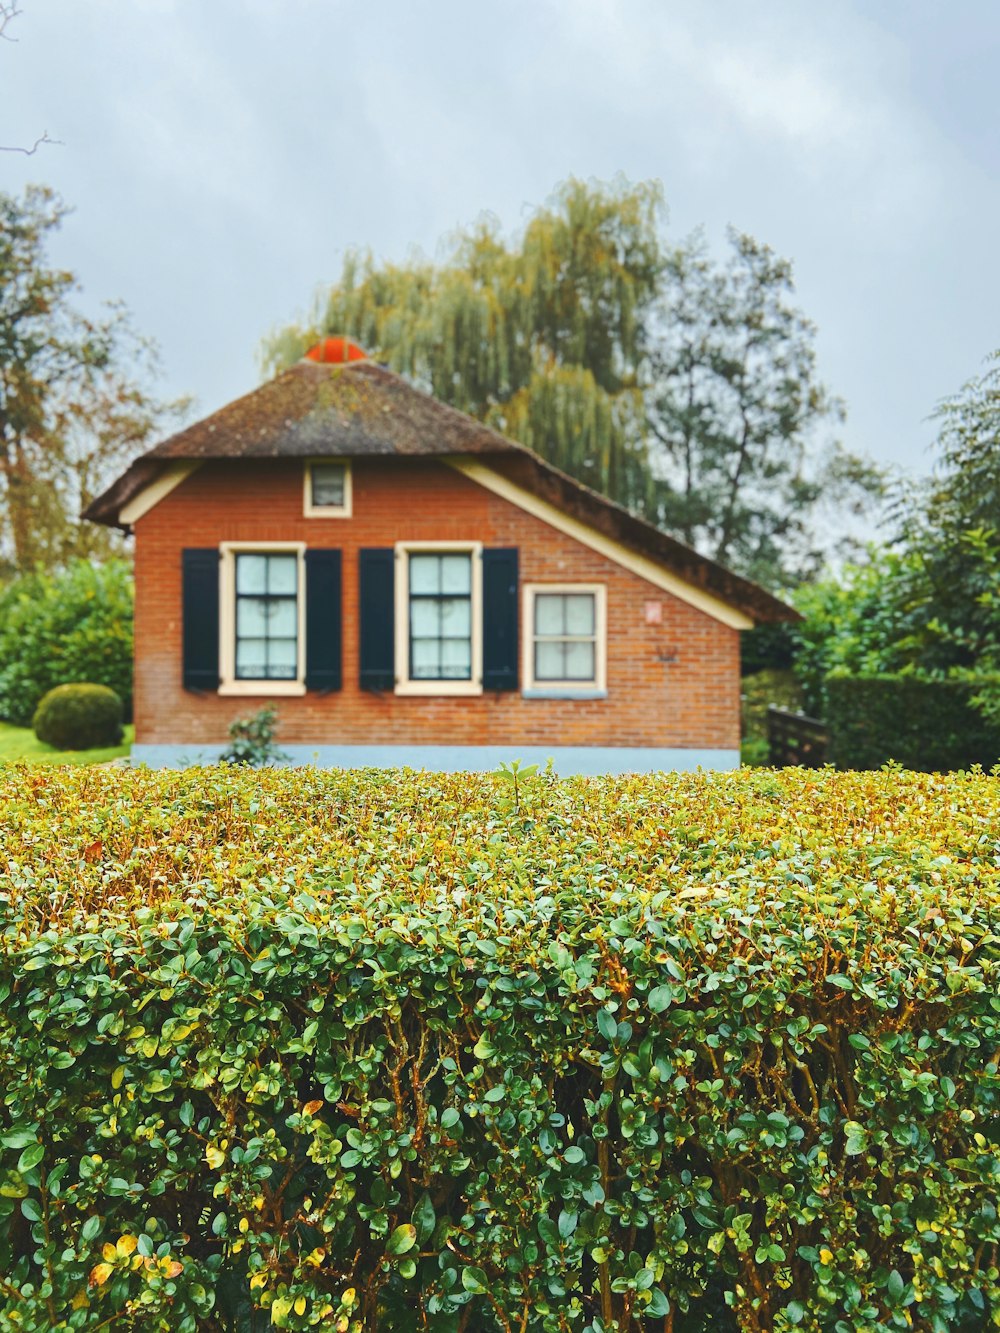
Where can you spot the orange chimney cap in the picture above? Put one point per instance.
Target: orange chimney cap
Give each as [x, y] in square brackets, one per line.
[336, 351]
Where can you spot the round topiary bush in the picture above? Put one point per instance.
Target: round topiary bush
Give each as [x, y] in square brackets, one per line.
[79, 717]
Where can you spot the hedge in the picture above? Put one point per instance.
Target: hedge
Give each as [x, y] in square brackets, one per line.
[927, 725]
[58, 629]
[401, 1052]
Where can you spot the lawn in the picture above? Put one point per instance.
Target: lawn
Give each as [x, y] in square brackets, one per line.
[21, 745]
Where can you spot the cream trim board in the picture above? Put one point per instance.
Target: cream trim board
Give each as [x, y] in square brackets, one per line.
[631, 560]
[428, 688]
[599, 684]
[228, 683]
[311, 510]
[151, 495]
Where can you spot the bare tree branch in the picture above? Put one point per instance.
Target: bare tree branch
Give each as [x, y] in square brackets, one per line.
[8, 13]
[34, 147]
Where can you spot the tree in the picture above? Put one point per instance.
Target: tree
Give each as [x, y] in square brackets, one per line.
[734, 407]
[73, 395]
[543, 337]
[686, 392]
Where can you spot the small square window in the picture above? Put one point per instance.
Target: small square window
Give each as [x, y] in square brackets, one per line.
[565, 649]
[328, 489]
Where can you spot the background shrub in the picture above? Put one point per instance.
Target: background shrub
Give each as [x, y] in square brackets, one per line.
[391, 1052]
[928, 725]
[79, 717]
[59, 628]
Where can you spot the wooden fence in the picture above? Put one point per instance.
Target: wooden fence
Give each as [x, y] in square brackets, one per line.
[794, 739]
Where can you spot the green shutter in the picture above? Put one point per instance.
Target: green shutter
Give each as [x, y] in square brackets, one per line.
[377, 610]
[323, 620]
[200, 618]
[500, 618]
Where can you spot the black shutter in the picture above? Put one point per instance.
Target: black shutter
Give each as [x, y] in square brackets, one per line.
[200, 618]
[323, 620]
[500, 618]
[376, 586]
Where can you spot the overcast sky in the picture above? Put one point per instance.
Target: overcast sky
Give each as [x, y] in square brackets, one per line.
[221, 155]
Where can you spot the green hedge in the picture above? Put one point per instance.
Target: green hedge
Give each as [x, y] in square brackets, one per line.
[397, 1052]
[57, 629]
[927, 725]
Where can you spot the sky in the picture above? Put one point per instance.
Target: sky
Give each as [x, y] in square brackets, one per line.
[220, 158]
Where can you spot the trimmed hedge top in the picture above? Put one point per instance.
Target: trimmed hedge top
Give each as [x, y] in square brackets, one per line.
[399, 1052]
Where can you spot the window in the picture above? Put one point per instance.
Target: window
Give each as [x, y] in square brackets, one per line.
[439, 618]
[261, 619]
[328, 488]
[564, 640]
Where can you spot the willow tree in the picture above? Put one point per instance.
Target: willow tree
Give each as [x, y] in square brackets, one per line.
[544, 335]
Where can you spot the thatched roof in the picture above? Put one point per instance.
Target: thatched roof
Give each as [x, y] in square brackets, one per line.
[362, 410]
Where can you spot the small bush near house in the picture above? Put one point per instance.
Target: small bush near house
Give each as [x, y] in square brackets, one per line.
[59, 628]
[390, 1052]
[251, 740]
[79, 717]
[929, 725]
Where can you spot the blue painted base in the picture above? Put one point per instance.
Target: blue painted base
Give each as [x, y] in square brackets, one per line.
[567, 759]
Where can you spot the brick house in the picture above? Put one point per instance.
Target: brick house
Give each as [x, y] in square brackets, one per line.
[410, 587]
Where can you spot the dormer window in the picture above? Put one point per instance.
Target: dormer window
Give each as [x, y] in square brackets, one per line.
[327, 488]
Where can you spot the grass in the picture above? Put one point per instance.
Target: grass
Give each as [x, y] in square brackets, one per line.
[21, 745]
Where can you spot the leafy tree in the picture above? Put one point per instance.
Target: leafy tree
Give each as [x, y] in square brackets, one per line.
[73, 395]
[685, 391]
[544, 337]
[734, 407]
[63, 629]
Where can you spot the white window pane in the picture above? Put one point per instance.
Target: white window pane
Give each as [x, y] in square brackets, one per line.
[282, 619]
[251, 658]
[456, 573]
[282, 573]
[549, 661]
[425, 573]
[456, 659]
[425, 618]
[579, 660]
[456, 618]
[251, 573]
[426, 664]
[550, 613]
[281, 658]
[580, 613]
[251, 621]
[328, 483]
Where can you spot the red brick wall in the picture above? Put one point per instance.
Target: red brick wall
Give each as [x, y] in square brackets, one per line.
[672, 684]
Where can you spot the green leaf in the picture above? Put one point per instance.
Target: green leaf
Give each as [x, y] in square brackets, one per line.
[91, 1229]
[31, 1210]
[30, 1158]
[402, 1239]
[845, 983]
[607, 1024]
[659, 998]
[795, 1312]
[475, 1280]
[658, 1307]
[424, 1218]
[19, 1137]
[895, 1287]
[483, 1049]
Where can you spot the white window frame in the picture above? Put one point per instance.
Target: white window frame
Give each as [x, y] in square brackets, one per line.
[565, 689]
[311, 510]
[228, 683]
[404, 685]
